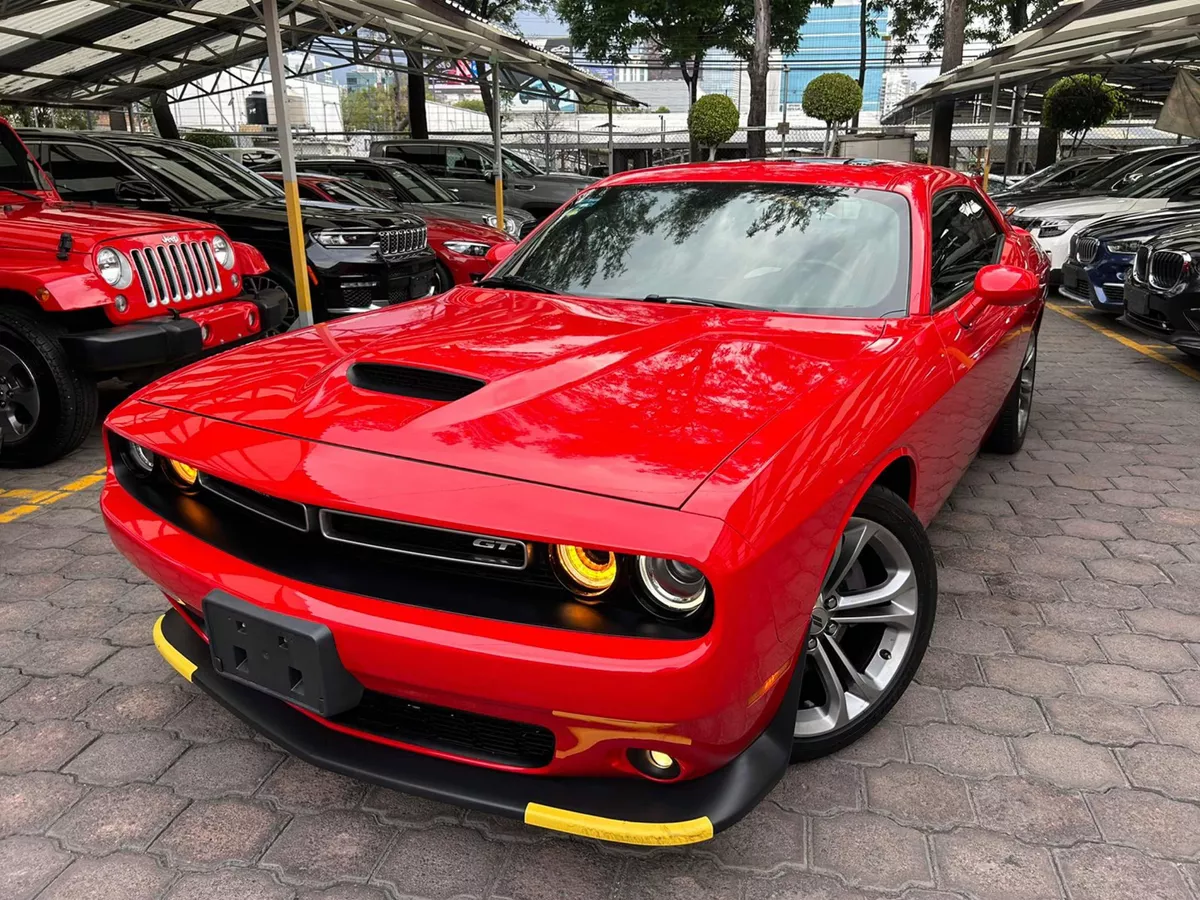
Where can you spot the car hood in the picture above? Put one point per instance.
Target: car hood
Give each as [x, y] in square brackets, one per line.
[622, 399]
[576, 181]
[1090, 206]
[441, 230]
[41, 225]
[468, 212]
[1142, 225]
[317, 215]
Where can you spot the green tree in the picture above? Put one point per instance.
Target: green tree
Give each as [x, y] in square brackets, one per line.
[987, 20]
[472, 103]
[1078, 103]
[207, 137]
[833, 98]
[663, 109]
[712, 120]
[45, 117]
[370, 109]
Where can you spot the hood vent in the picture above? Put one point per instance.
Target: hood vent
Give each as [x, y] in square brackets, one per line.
[406, 381]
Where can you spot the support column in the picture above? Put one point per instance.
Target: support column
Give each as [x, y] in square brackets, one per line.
[610, 139]
[1016, 133]
[941, 130]
[987, 153]
[287, 161]
[498, 166]
[1047, 147]
[164, 121]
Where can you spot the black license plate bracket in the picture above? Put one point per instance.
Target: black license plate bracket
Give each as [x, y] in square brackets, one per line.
[288, 657]
[1137, 300]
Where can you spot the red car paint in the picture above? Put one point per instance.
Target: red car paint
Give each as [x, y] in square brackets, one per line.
[463, 268]
[748, 472]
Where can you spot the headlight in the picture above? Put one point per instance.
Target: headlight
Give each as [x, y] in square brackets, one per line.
[671, 588]
[346, 238]
[511, 225]
[223, 252]
[114, 268]
[584, 571]
[1124, 246]
[141, 459]
[1056, 227]
[183, 474]
[467, 248]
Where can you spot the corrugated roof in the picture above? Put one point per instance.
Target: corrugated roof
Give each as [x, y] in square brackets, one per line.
[106, 53]
[1135, 43]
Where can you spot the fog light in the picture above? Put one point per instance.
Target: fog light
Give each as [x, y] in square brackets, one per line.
[234, 280]
[184, 474]
[121, 302]
[654, 764]
[584, 571]
[205, 334]
[141, 459]
[251, 319]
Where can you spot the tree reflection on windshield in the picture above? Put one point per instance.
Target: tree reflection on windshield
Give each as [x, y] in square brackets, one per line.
[793, 247]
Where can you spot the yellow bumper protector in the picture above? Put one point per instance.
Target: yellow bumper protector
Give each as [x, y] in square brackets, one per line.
[178, 661]
[658, 834]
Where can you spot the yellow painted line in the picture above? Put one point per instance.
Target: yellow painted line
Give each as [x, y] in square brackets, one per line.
[1128, 342]
[38, 500]
[657, 834]
[178, 661]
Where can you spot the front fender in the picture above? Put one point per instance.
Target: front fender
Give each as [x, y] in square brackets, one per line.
[249, 260]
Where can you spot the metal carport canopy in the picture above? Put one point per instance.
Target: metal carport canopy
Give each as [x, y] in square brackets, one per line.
[1137, 44]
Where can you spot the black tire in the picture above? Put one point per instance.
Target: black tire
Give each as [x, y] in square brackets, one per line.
[273, 279]
[1008, 433]
[67, 401]
[881, 507]
[442, 279]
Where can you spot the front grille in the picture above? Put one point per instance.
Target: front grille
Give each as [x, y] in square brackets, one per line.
[1168, 269]
[451, 730]
[1141, 263]
[173, 272]
[286, 512]
[402, 241]
[1086, 250]
[410, 381]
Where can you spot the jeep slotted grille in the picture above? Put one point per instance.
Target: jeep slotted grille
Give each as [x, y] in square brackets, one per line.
[400, 241]
[173, 272]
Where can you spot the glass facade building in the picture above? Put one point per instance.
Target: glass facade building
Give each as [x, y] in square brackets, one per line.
[830, 43]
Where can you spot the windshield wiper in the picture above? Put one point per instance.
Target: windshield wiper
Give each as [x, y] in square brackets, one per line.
[517, 282]
[21, 193]
[694, 301]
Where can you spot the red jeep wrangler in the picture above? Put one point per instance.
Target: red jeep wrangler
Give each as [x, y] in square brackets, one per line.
[91, 292]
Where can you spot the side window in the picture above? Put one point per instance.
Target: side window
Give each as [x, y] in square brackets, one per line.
[430, 157]
[307, 191]
[463, 162]
[1189, 190]
[81, 172]
[963, 240]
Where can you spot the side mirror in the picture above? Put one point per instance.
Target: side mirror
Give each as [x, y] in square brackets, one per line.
[498, 253]
[489, 176]
[136, 191]
[1006, 285]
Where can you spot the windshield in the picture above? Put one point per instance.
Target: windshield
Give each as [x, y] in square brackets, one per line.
[1062, 172]
[16, 168]
[422, 188]
[1160, 183]
[344, 191]
[1114, 168]
[199, 177]
[790, 247]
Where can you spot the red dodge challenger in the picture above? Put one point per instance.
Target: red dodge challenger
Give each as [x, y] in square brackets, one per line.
[607, 540]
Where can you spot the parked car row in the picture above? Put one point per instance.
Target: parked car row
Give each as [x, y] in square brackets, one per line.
[197, 260]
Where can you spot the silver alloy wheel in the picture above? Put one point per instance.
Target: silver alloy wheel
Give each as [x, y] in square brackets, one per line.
[1025, 390]
[20, 402]
[255, 283]
[862, 628]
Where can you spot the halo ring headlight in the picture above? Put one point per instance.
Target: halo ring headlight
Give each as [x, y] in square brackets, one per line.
[585, 571]
[114, 268]
[184, 475]
[142, 460]
[222, 252]
[671, 588]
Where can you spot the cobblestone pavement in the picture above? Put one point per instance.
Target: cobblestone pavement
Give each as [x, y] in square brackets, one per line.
[1051, 747]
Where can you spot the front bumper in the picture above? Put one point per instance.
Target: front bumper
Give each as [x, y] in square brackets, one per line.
[623, 810]
[1077, 285]
[352, 280]
[1175, 320]
[173, 340]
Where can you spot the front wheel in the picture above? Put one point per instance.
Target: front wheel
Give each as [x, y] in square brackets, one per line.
[1008, 434]
[870, 626]
[46, 407]
[291, 312]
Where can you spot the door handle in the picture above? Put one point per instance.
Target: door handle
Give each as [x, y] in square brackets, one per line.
[969, 309]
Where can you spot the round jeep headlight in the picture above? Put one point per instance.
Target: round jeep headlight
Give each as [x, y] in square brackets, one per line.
[222, 251]
[114, 268]
[671, 588]
[584, 571]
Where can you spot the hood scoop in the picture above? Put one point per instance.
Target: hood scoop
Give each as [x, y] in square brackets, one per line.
[409, 381]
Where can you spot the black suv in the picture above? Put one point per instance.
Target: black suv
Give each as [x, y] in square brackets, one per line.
[1162, 289]
[358, 259]
[466, 168]
[410, 188]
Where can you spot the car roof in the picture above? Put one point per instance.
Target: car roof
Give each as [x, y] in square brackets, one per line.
[863, 173]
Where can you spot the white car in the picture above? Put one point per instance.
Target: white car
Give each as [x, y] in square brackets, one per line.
[1054, 223]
